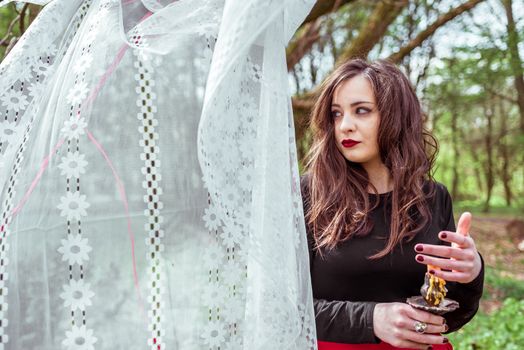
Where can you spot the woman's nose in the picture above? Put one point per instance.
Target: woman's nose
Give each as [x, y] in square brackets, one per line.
[347, 123]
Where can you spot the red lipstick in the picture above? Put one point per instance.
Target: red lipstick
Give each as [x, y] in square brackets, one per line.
[348, 143]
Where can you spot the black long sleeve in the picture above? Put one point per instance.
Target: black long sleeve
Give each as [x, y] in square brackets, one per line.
[342, 321]
[345, 321]
[347, 285]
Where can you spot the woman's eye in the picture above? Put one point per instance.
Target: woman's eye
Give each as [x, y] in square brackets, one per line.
[362, 110]
[335, 114]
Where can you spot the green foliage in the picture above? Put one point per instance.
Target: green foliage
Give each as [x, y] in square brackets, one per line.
[498, 208]
[499, 330]
[7, 14]
[471, 88]
[500, 287]
[502, 330]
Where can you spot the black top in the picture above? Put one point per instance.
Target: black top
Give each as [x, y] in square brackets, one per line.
[347, 285]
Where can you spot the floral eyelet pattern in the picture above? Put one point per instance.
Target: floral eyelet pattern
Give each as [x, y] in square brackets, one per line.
[151, 184]
[29, 78]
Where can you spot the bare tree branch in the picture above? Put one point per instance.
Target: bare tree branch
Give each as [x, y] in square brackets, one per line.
[12, 43]
[373, 30]
[430, 30]
[300, 46]
[24, 17]
[6, 39]
[323, 7]
[34, 10]
[21, 25]
[309, 33]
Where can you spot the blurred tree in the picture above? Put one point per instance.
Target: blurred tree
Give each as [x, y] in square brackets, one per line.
[512, 40]
[476, 120]
[14, 20]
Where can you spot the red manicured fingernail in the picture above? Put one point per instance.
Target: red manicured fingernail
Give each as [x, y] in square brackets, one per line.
[445, 340]
[420, 258]
[419, 248]
[430, 347]
[443, 235]
[446, 328]
[432, 272]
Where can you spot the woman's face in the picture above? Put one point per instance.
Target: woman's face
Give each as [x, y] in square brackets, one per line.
[356, 119]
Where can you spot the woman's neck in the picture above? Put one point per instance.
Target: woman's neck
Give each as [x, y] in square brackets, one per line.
[379, 176]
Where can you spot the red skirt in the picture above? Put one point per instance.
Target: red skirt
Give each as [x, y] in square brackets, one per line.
[323, 345]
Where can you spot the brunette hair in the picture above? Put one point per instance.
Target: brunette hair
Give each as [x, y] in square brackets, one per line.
[339, 201]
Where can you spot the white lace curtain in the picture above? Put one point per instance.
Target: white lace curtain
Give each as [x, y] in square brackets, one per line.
[149, 184]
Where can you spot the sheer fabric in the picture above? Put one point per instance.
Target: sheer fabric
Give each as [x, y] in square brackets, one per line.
[150, 194]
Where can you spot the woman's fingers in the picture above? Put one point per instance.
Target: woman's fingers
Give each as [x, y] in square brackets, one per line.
[459, 262]
[448, 264]
[457, 239]
[410, 324]
[396, 324]
[408, 337]
[462, 271]
[426, 338]
[453, 276]
[434, 325]
[461, 259]
[464, 223]
[432, 329]
[444, 251]
[423, 316]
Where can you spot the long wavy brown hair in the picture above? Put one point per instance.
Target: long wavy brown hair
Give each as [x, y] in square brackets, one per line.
[339, 199]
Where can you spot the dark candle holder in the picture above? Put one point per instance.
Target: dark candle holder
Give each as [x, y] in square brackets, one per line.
[445, 306]
[419, 302]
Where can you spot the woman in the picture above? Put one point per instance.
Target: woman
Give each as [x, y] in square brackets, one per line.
[375, 217]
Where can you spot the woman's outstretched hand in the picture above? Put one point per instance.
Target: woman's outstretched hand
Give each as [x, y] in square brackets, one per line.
[396, 324]
[461, 259]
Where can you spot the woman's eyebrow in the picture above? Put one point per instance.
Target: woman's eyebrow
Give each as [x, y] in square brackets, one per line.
[352, 103]
[360, 102]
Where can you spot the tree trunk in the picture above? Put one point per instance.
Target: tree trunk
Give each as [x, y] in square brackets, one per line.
[504, 153]
[516, 62]
[490, 179]
[456, 153]
[34, 10]
[384, 13]
[478, 172]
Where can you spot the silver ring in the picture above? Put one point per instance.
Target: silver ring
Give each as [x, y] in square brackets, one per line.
[420, 327]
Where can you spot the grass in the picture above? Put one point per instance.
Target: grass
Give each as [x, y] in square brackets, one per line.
[500, 286]
[502, 329]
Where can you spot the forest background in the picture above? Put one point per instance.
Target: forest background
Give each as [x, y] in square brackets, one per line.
[465, 59]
